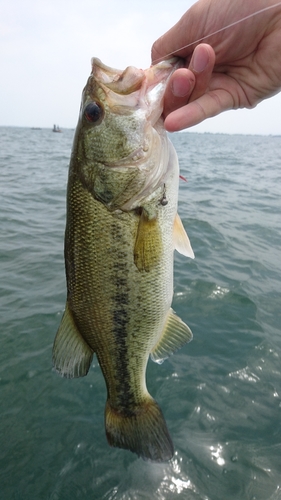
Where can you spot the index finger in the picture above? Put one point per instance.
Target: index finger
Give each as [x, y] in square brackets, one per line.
[210, 104]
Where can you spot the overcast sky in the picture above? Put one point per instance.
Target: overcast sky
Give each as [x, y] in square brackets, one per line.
[46, 47]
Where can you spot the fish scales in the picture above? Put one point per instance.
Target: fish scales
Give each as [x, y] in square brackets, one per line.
[106, 290]
[120, 236]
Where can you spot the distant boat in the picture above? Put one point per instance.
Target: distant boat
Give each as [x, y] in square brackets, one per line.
[35, 128]
[56, 128]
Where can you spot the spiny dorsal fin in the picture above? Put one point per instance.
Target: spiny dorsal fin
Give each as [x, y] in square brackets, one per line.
[148, 245]
[175, 334]
[181, 240]
[71, 355]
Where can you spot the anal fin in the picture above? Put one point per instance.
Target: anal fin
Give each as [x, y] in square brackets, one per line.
[71, 354]
[175, 334]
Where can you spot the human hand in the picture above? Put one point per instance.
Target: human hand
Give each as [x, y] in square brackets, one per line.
[240, 67]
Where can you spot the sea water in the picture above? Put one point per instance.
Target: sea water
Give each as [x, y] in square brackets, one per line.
[220, 394]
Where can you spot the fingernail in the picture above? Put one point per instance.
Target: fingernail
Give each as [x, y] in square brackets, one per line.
[180, 87]
[199, 60]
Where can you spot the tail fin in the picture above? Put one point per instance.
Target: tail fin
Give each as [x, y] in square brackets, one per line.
[143, 431]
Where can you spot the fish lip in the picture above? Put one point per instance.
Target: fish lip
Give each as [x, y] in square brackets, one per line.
[122, 82]
[157, 78]
[103, 70]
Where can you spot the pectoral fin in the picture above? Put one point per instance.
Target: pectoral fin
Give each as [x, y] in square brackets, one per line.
[71, 354]
[148, 245]
[176, 333]
[181, 240]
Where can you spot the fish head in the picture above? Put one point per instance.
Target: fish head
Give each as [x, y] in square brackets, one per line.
[119, 148]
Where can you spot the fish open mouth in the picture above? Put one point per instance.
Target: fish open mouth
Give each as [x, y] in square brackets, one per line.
[136, 88]
[135, 92]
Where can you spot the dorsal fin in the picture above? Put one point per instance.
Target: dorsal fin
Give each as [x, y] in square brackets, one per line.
[181, 240]
[175, 334]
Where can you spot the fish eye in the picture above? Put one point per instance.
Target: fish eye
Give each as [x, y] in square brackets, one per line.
[93, 112]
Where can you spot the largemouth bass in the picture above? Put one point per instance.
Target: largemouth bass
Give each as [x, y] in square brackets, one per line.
[121, 231]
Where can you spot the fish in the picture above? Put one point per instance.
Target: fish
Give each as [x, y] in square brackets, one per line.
[122, 228]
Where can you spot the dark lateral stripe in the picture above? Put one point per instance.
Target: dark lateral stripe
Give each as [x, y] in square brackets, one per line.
[120, 324]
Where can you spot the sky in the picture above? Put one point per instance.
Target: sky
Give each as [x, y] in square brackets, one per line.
[46, 48]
